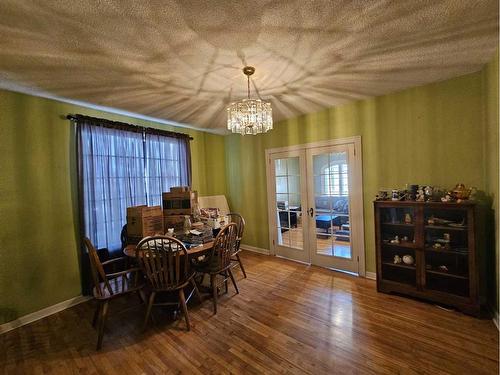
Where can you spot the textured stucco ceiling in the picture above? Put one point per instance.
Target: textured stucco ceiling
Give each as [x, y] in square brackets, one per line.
[181, 60]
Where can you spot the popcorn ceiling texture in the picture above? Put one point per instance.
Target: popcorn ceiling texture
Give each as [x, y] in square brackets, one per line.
[181, 60]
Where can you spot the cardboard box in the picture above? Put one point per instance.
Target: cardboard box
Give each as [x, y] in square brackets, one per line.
[179, 189]
[173, 221]
[215, 222]
[179, 203]
[143, 221]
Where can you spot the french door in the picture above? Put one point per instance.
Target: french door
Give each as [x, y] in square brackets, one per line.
[290, 235]
[316, 204]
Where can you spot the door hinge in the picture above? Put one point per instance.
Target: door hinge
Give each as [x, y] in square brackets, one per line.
[358, 258]
[354, 151]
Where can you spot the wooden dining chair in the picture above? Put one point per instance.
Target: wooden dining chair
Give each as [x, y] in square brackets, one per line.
[108, 286]
[218, 262]
[165, 262]
[235, 257]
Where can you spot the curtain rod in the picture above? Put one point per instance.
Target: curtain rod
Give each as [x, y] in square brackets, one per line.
[125, 126]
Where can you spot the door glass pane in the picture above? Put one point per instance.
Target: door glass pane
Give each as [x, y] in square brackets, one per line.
[282, 185]
[288, 203]
[280, 167]
[331, 189]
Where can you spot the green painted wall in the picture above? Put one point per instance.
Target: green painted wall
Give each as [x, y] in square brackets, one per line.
[432, 134]
[490, 85]
[440, 134]
[38, 207]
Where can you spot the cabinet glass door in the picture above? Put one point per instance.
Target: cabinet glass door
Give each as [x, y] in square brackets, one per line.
[446, 251]
[398, 248]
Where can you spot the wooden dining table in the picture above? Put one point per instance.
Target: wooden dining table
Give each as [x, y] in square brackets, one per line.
[195, 250]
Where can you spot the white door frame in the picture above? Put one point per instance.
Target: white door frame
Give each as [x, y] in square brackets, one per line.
[358, 179]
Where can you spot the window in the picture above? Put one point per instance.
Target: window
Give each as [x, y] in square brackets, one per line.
[336, 181]
[119, 168]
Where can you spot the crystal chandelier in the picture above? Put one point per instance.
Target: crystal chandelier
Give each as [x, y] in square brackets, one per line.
[249, 116]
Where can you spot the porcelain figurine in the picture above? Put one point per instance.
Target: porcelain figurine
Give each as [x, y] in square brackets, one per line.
[397, 259]
[408, 259]
[395, 240]
[420, 195]
[461, 192]
[447, 198]
[382, 195]
[428, 191]
[407, 219]
[395, 195]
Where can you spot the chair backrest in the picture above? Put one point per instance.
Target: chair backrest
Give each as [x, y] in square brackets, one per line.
[165, 262]
[97, 270]
[240, 222]
[124, 236]
[224, 245]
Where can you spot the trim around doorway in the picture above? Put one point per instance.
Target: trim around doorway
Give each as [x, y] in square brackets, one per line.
[356, 141]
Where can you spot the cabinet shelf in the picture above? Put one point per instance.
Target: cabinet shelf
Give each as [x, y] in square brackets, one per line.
[399, 224]
[400, 265]
[445, 227]
[447, 274]
[408, 245]
[444, 251]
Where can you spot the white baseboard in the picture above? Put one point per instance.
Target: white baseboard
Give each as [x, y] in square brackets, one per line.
[254, 249]
[40, 314]
[371, 275]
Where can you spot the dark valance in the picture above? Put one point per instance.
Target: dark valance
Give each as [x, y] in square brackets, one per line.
[124, 126]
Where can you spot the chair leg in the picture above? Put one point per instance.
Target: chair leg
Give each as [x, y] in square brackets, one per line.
[241, 265]
[148, 309]
[102, 321]
[226, 282]
[96, 314]
[182, 298]
[142, 297]
[196, 290]
[214, 291]
[234, 281]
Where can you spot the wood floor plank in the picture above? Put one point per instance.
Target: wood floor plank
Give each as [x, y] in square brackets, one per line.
[289, 318]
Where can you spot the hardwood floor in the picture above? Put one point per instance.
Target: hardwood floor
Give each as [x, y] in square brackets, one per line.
[288, 318]
[325, 243]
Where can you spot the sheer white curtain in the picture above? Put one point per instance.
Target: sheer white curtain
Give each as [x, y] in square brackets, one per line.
[167, 164]
[112, 173]
[121, 168]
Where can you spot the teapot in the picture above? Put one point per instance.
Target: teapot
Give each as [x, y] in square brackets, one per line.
[461, 192]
